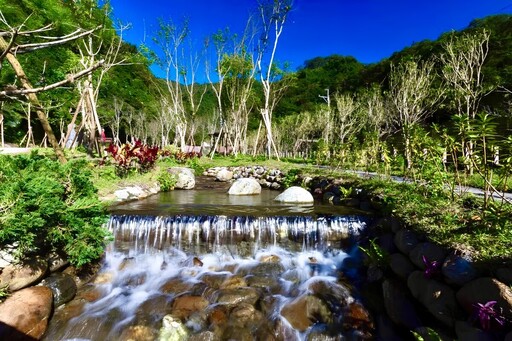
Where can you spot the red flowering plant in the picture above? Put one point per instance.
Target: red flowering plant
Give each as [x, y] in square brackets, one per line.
[128, 157]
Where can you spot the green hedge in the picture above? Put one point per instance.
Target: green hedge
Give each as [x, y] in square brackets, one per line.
[47, 206]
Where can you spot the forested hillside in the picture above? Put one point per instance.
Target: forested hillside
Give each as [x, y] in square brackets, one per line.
[346, 74]
[329, 106]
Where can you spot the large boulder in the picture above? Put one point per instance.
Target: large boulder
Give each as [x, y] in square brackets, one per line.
[245, 186]
[185, 178]
[437, 297]
[295, 194]
[483, 290]
[400, 307]
[406, 241]
[25, 314]
[458, 269]
[20, 276]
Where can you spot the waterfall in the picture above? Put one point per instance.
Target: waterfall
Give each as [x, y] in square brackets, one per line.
[203, 234]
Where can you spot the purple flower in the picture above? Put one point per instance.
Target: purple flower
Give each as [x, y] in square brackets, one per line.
[485, 313]
[431, 268]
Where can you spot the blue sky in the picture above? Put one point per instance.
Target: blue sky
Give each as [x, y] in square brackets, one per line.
[368, 30]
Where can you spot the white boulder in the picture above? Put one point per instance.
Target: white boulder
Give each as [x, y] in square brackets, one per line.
[295, 194]
[245, 186]
[185, 177]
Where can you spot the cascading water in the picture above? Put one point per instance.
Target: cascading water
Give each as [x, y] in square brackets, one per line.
[220, 278]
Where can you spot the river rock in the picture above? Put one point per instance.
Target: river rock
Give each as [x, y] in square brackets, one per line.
[406, 240]
[263, 269]
[458, 269]
[295, 194]
[437, 297]
[25, 314]
[233, 297]
[467, 332]
[63, 287]
[185, 178]
[233, 282]
[399, 307]
[483, 290]
[356, 317]
[306, 310]
[184, 306]
[245, 186]
[213, 279]
[153, 309]
[172, 329]
[271, 284]
[432, 253]
[138, 333]
[245, 315]
[334, 294]
[203, 336]
[401, 265]
[175, 285]
[224, 175]
[18, 276]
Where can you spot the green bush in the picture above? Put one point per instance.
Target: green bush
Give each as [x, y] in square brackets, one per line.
[167, 181]
[47, 206]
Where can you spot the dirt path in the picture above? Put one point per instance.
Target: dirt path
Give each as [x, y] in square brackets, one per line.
[14, 150]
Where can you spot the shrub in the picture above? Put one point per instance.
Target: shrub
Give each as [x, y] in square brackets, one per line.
[46, 206]
[166, 180]
[128, 157]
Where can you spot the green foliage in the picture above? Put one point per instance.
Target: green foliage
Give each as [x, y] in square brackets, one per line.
[376, 256]
[291, 177]
[166, 180]
[46, 206]
[4, 292]
[193, 163]
[431, 333]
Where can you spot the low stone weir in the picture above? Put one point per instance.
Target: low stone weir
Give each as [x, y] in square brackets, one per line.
[206, 233]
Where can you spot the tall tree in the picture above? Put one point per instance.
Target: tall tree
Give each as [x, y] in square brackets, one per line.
[273, 15]
[463, 60]
[170, 39]
[413, 97]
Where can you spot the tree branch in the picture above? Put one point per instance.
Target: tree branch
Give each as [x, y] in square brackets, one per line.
[24, 48]
[69, 79]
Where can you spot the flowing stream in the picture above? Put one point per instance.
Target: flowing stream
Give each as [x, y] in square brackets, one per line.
[221, 276]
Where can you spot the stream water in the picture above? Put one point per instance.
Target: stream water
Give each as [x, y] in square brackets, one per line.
[206, 266]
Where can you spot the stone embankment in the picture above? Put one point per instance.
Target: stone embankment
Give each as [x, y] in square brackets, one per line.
[267, 177]
[423, 285]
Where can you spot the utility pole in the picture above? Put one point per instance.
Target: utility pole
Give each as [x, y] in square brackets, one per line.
[327, 99]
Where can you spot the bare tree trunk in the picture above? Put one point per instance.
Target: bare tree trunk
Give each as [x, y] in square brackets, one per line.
[32, 97]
